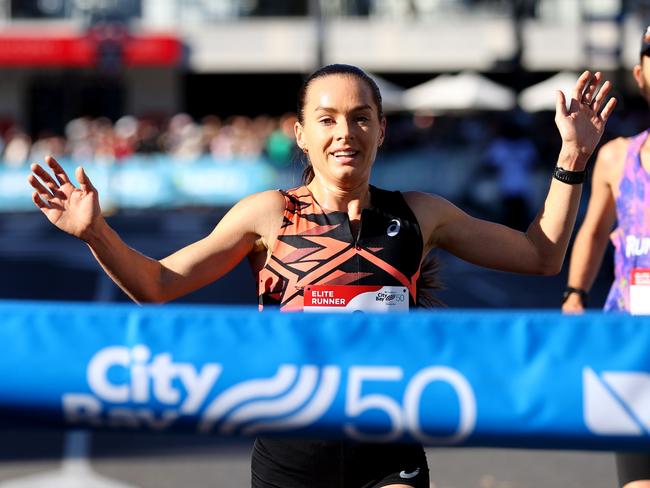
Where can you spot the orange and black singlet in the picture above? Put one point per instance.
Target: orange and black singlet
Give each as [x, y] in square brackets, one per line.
[316, 246]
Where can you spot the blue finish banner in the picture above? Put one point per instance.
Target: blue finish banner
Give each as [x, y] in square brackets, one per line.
[441, 378]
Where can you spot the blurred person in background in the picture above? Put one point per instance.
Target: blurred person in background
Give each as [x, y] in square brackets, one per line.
[247, 143]
[280, 145]
[149, 136]
[79, 145]
[126, 133]
[620, 193]
[222, 144]
[16, 148]
[103, 140]
[183, 139]
[46, 144]
[210, 127]
[337, 229]
[512, 154]
[261, 129]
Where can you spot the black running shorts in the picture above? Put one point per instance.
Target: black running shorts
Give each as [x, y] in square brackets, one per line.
[310, 463]
[632, 466]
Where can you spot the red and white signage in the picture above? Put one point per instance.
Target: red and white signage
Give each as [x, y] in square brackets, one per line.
[34, 49]
[355, 298]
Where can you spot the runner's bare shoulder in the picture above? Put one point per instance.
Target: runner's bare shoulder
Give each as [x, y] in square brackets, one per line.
[266, 212]
[611, 158]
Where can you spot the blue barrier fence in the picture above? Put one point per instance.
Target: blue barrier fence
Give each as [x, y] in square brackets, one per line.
[534, 379]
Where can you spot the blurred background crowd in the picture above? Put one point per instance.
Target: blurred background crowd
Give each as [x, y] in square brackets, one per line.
[501, 159]
[182, 137]
[117, 83]
[101, 140]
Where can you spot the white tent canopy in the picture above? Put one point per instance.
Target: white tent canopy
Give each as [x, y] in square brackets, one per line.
[463, 92]
[541, 96]
[391, 94]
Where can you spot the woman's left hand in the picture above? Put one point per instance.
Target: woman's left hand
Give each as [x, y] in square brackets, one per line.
[582, 124]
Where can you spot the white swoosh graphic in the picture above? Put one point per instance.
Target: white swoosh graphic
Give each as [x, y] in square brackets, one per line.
[408, 476]
[302, 390]
[319, 404]
[267, 387]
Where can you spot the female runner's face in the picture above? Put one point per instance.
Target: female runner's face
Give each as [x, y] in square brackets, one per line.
[341, 130]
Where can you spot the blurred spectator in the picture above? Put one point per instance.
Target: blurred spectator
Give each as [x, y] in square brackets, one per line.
[149, 137]
[210, 125]
[262, 128]
[245, 141]
[103, 137]
[17, 147]
[183, 138]
[221, 145]
[513, 156]
[45, 144]
[126, 132]
[241, 137]
[79, 146]
[281, 143]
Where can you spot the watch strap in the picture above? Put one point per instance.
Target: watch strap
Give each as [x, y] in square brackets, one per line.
[584, 296]
[569, 177]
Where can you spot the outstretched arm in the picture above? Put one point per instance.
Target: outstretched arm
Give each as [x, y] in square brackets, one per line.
[541, 249]
[246, 227]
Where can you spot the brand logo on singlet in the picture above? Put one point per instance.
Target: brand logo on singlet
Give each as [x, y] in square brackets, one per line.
[390, 297]
[636, 246]
[393, 228]
[408, 476]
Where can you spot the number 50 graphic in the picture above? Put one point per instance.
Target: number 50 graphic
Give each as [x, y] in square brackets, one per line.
[407, 416]
[298, 396]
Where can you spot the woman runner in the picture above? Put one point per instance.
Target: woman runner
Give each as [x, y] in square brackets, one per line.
[337, 229]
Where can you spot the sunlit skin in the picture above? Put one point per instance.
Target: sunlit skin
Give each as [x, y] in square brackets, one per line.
[340, 134]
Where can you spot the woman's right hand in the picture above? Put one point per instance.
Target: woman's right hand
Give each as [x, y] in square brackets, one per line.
[73, 210]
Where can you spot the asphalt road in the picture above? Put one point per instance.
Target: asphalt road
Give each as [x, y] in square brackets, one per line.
[113, 460]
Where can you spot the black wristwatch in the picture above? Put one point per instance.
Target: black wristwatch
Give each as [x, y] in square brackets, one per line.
[569, 177]
[584, 296]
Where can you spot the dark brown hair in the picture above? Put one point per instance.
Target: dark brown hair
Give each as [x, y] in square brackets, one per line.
[330, 70]
[429, 282]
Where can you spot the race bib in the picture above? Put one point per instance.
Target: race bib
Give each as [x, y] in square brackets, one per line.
[640, 292]
[355, 298]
